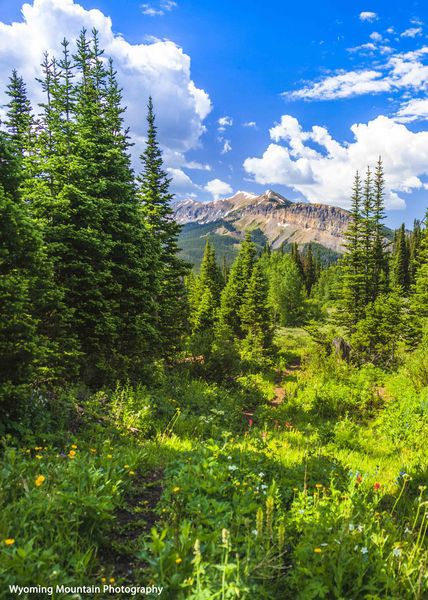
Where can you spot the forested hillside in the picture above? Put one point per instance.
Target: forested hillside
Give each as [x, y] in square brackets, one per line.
[253, 428]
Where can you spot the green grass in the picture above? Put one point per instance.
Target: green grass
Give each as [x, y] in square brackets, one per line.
[215, 492]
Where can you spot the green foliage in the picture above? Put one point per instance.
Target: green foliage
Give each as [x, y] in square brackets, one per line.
[286, 290]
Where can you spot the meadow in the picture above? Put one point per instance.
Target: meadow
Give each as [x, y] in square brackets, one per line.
[304, 480]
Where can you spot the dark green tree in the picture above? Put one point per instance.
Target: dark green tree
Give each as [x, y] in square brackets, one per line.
[401, 261]
[155, 201]
[19, 116]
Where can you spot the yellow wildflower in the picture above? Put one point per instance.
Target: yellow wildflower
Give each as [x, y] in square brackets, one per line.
[317, 550]
[126, 466]
[93, 450]
[109, 455]
[318, 486]
[176, 489]
[112, 580]
[178, 561]
[72, 454]
[39, 456]
[9, 542]
[103, 579]
[38, 448]
[74, 446]
[40, 480]
[131, 473]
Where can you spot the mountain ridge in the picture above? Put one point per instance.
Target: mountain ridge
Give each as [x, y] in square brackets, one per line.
[280, 220]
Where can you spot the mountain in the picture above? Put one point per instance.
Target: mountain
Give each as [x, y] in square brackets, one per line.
[270, 217]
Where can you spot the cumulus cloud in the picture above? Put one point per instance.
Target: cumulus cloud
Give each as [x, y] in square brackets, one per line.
[322, 169]
[413, 110]
[252, 124]
[227, 147]
[181, 183]
[158, 11]
[218, 188]
[412, 32]
[161, 69]
[376, 36]
[225, 121]
[367, 15]
[401, 71]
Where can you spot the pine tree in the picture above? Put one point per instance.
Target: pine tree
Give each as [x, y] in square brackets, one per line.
[255, 315]
[353, 271]
[296, 256]
[233, 293]
[309, 269]
[367, 236]
[414, 249]
[380, 260]
[206, 291]
[19, 116]
[155, 199]
[400, 261]
[420, 289]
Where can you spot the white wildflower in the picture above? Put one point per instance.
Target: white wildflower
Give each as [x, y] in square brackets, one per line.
[397, 552]
[364, 550]
[232, 467]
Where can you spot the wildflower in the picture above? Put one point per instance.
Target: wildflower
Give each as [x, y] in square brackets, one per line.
[324, 544]
[237, 484]
[112, 580]
[351, 527]
[176, 489]
[9, 541]
[364, 550]
[74, 446]
[103, 579]
[317, 550]
[318, 486]
[93, 450]
[263, 486]
[40, 480]
[109, 455]
[232, 467]
[301, 511]
[126, 466]
[407, 530]
[38, 456]
[359, 478]
[397, 552]
[254, 531]
[38, 448]
[376, 485]
[261, 474]
[72, 454]
[250, 422]
[264, 435]
[224, 536]
[288, 425]
[295, 489]
[132, 473]
[178, 560]
[360, 528]
[229, 458]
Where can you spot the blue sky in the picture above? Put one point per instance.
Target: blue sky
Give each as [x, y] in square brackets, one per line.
[254, 95]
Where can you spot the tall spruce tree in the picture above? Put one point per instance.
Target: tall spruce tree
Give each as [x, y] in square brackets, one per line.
[420, 289]
[353, 270]
[401, 261]
[204, 298]
[19, 116]
[256, 321]
[380, 273]
[309, 269]
[234, 291]
[155, 201]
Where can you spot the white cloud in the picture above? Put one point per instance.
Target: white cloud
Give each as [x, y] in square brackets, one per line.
[368, 47]
[218, 188]
[376, 37]
[325, 174]
[227, 147]
[161, 69]
[368, 16]
[252, 124]
[405, 70]
[343, 85]
[181, 182]
[413, 110]
[225, 121]
[412, 32]
[151, 11]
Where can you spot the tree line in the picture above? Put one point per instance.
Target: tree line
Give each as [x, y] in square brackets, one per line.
[92, 288]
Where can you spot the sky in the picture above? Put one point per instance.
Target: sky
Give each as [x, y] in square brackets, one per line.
[256, 95]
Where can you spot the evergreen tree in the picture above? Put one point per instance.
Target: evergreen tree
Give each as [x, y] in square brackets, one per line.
[255, 315]
[367, 236]
[297, 258]
[420, 289]
[19, 117]
[155, 200]
[309, 269]
[353, 270]
[400, 261]
[233, 293]
[380, 260]
[204, 298]
[414, 249]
